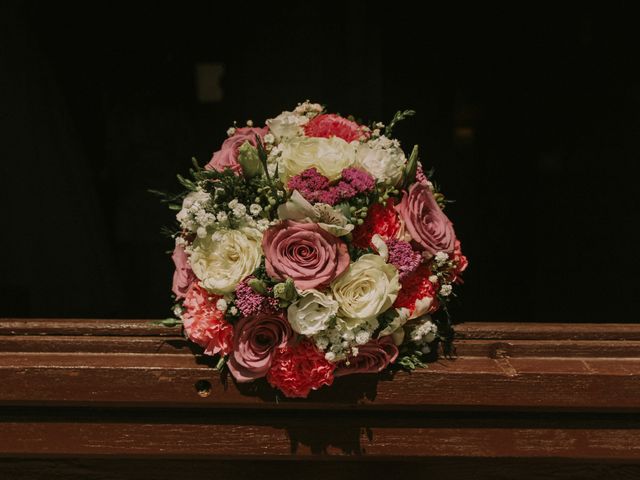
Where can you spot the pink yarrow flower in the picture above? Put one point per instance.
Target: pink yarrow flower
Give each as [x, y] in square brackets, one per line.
[403, 257]
[316, 188]
[250, 302]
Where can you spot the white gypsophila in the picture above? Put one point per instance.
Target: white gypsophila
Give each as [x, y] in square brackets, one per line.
[201, 232]
[362, 337]
[368, 288]
[239, 210]
[330, 356]
[309, 109]
[383, 164]
[222, 217]
[446, 290]
[424, 332]
[441, 258]
[328, 155]
[193, 206]
[249, 123]
[286, 125]
[327, 217]
[383, 142]
[231, 131]
[221, 305]
[269, 138]
[224, 259]
[433, 278]
[321, 341]
[255, 209]
[312, 312]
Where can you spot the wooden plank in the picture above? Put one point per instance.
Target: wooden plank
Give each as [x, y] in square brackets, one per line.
[546, 348]
[251, 437]
[442, 468]
[97, 344]
[479, 330]
[80, 326]
[548, 331]
[170, 380]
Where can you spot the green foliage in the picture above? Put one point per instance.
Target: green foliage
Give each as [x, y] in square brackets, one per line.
[398, 117]
[410, 359]
[168, 322]
[411, 169]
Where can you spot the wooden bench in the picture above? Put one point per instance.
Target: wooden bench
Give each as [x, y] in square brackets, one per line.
[129, 399]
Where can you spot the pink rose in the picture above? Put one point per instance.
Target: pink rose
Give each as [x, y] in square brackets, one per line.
[183, 276]
[204, 324]
[311, 256]
[255, 344]
[331, 125]
[373, 357]
[425, 222]
[227, 156]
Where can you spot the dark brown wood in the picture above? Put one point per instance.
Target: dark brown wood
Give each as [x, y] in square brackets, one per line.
[518, 400]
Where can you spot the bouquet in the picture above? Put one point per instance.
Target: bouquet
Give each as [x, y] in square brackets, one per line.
[313, 248]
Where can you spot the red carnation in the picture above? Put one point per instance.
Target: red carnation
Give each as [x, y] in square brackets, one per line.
[460, 262]
[330, 125]
[381, 219]
[417, 294]
[300, 368]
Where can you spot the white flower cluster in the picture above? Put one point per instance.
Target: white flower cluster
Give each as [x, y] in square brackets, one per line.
[308, 109]
[339, 341]
[194, 213]
[424, 333]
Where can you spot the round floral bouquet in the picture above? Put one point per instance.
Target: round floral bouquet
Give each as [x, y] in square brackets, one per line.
[313, 248]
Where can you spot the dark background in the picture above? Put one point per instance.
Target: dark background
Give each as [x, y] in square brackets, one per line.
[531, 120]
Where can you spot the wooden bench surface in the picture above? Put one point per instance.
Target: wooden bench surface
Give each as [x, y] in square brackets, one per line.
[530, 400]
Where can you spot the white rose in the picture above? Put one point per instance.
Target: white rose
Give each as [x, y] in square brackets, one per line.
[224, 259]
[385, 164]
[311, 313]
[328, 155]
[366, 289]
[286, 125]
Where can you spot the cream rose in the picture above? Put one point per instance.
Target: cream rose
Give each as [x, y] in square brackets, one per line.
[286, 125]
[224, 259]
[385, 164]
[311, 313]
[328, 155]
[366, 289]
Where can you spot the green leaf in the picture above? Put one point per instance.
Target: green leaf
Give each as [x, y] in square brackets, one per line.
[168, 322]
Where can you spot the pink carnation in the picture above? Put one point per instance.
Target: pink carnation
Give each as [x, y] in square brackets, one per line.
[227, 156]
[300, 368]
[204, 324]
[331, 125]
